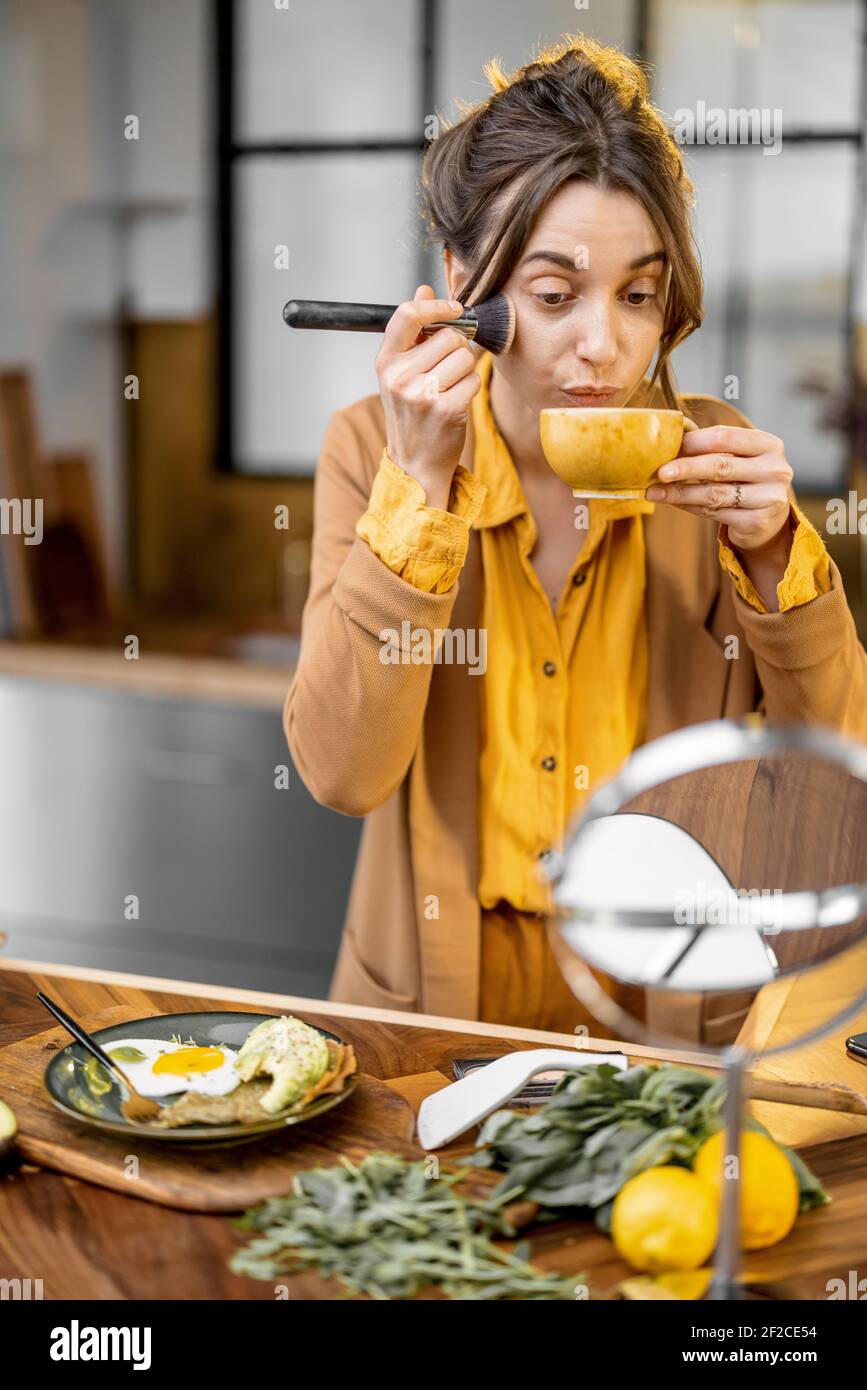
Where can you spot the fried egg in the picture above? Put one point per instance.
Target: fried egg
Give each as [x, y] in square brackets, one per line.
[159, 1068]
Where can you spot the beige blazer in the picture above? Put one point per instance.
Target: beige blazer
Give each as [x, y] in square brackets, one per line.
[399, 744]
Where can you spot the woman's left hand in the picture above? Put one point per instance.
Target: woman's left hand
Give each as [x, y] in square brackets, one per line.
[740, 476]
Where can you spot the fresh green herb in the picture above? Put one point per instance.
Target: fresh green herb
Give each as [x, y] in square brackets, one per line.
[386, 1229]
[601, 1127]
[176, 1038]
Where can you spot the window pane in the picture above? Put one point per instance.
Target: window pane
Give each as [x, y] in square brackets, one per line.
[802, 56]
[327, 69]
[351, 226]
[469, 34]
[774, 234]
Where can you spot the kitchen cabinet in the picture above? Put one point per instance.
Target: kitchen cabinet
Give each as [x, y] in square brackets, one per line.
[157, 834]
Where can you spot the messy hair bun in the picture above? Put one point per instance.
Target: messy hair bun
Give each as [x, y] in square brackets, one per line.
[577, 111]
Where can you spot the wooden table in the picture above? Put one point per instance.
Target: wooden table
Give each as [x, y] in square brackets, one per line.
[89, 1243]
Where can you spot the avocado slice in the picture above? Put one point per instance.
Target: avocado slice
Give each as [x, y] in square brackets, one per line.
[8, 1129]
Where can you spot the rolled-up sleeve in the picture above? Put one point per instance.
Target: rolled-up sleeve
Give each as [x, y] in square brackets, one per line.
[426, 546]
[807, 573]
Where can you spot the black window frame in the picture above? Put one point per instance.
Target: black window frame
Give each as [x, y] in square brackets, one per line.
[230, 150]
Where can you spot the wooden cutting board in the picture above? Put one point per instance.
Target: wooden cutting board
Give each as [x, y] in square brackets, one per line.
[195, 1179]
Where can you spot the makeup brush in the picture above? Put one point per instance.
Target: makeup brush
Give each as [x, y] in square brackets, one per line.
[491, 324]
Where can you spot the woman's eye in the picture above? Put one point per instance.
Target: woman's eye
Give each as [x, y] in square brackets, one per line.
[553, 298]
[638, 297]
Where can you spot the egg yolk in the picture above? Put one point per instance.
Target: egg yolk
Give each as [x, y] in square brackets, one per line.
[187, 1060]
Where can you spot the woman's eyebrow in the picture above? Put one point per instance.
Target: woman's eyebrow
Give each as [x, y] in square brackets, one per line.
[557, 258]
[648, 259]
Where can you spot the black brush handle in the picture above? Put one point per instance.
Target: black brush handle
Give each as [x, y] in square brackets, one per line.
[360, 318]
[323, 313]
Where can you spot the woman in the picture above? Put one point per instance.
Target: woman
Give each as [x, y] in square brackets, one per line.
[436, 512]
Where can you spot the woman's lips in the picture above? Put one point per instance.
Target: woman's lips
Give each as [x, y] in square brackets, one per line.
[603, 397]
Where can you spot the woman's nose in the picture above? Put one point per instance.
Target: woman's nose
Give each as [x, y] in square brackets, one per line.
[596, 341]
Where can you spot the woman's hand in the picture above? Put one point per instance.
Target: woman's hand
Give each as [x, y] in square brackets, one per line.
[426, 385]
[737, 476]
[741, 477]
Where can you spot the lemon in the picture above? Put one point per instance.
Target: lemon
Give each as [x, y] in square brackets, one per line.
[664, 1219]
[684, 1284]
[769, 1188]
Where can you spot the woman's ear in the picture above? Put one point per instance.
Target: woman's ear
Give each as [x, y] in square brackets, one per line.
[455, 274]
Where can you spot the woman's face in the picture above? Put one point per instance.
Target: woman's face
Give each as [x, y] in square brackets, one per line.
[589, 294]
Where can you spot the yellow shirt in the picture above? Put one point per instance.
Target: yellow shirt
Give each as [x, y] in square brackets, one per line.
[565, 693]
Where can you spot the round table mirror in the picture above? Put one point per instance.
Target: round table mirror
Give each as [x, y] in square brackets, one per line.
[721, 858]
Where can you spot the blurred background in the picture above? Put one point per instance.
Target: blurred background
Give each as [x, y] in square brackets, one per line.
[170, 174]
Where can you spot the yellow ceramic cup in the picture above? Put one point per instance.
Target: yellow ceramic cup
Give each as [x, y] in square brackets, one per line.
[609, 453]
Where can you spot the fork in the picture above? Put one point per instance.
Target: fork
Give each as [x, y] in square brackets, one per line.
[137, 1108]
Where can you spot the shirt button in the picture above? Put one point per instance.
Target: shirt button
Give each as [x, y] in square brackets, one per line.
[549, 668]
[551, 861]
[579, 578]
[549, 763]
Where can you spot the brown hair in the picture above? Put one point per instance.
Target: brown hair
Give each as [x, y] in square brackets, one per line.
[577, 111]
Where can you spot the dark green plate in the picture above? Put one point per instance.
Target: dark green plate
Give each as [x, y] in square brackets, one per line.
[67, 1087]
